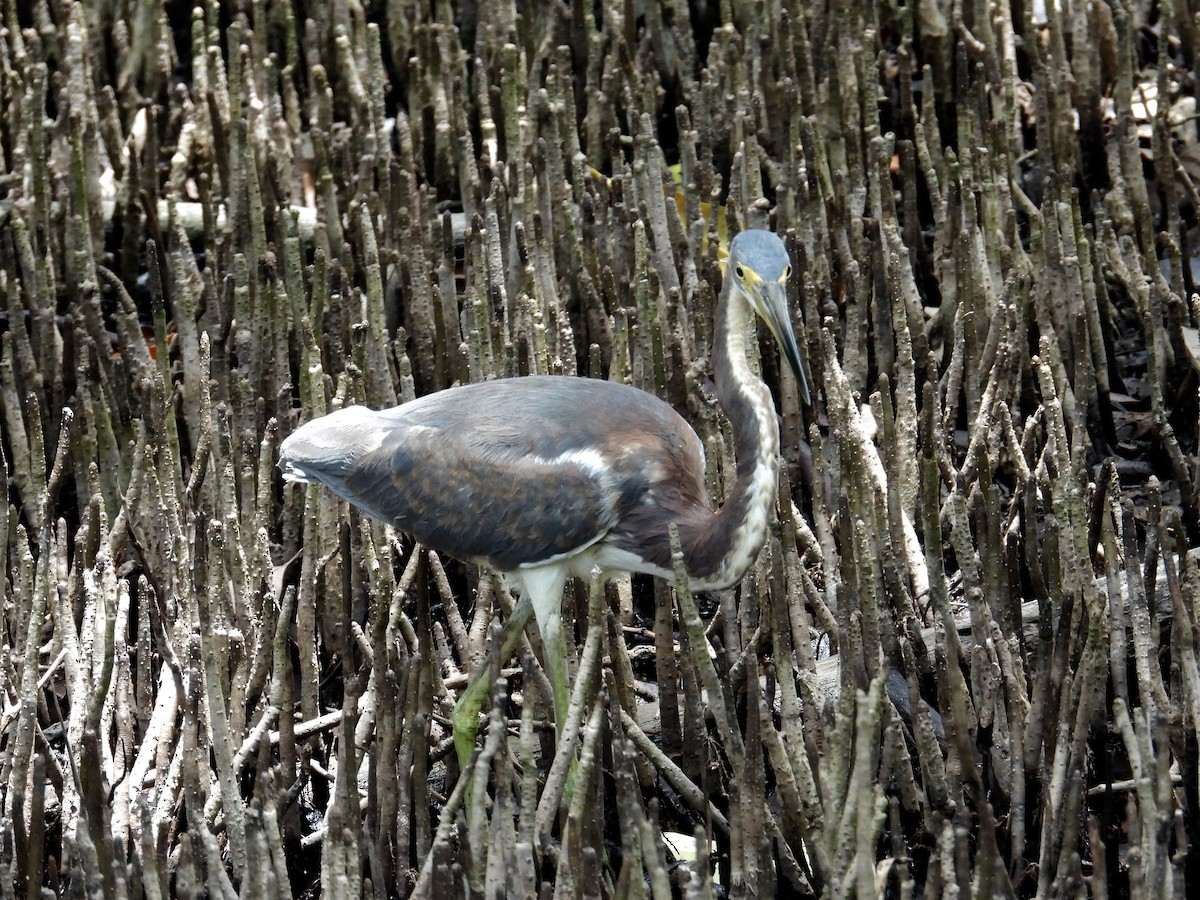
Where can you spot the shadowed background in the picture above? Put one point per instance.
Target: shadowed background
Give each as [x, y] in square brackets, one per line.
[966, 660]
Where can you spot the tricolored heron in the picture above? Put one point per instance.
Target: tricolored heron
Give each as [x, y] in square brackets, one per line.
[546, 477]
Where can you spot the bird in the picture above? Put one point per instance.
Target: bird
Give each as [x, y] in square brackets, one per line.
[547, 477]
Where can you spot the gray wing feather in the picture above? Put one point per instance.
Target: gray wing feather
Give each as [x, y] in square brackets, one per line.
[480, 500]
[513, 472]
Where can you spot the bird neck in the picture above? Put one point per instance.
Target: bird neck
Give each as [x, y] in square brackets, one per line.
[724, 547]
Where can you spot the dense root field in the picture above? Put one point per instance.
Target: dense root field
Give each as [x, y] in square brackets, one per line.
[966, 663]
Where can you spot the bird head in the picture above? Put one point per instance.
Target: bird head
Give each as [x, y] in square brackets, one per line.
[760, 267]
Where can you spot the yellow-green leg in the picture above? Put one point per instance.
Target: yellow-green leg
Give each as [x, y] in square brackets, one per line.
[465, 718]
[541, 596]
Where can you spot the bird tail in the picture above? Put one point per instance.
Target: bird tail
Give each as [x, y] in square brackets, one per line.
[320, 451]
[294, 471]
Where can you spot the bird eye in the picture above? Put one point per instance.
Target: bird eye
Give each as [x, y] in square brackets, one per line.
[787, 271]
[741, 273]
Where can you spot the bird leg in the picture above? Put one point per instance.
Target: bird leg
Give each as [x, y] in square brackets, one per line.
[541, 591]
[544, 587]
[465, 718]
[555, 664]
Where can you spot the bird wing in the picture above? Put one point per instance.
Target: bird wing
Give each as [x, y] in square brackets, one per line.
[514, 472]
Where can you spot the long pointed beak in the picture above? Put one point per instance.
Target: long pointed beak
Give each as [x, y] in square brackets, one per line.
[779, 320]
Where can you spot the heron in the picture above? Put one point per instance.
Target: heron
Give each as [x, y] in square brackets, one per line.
[547, 477]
